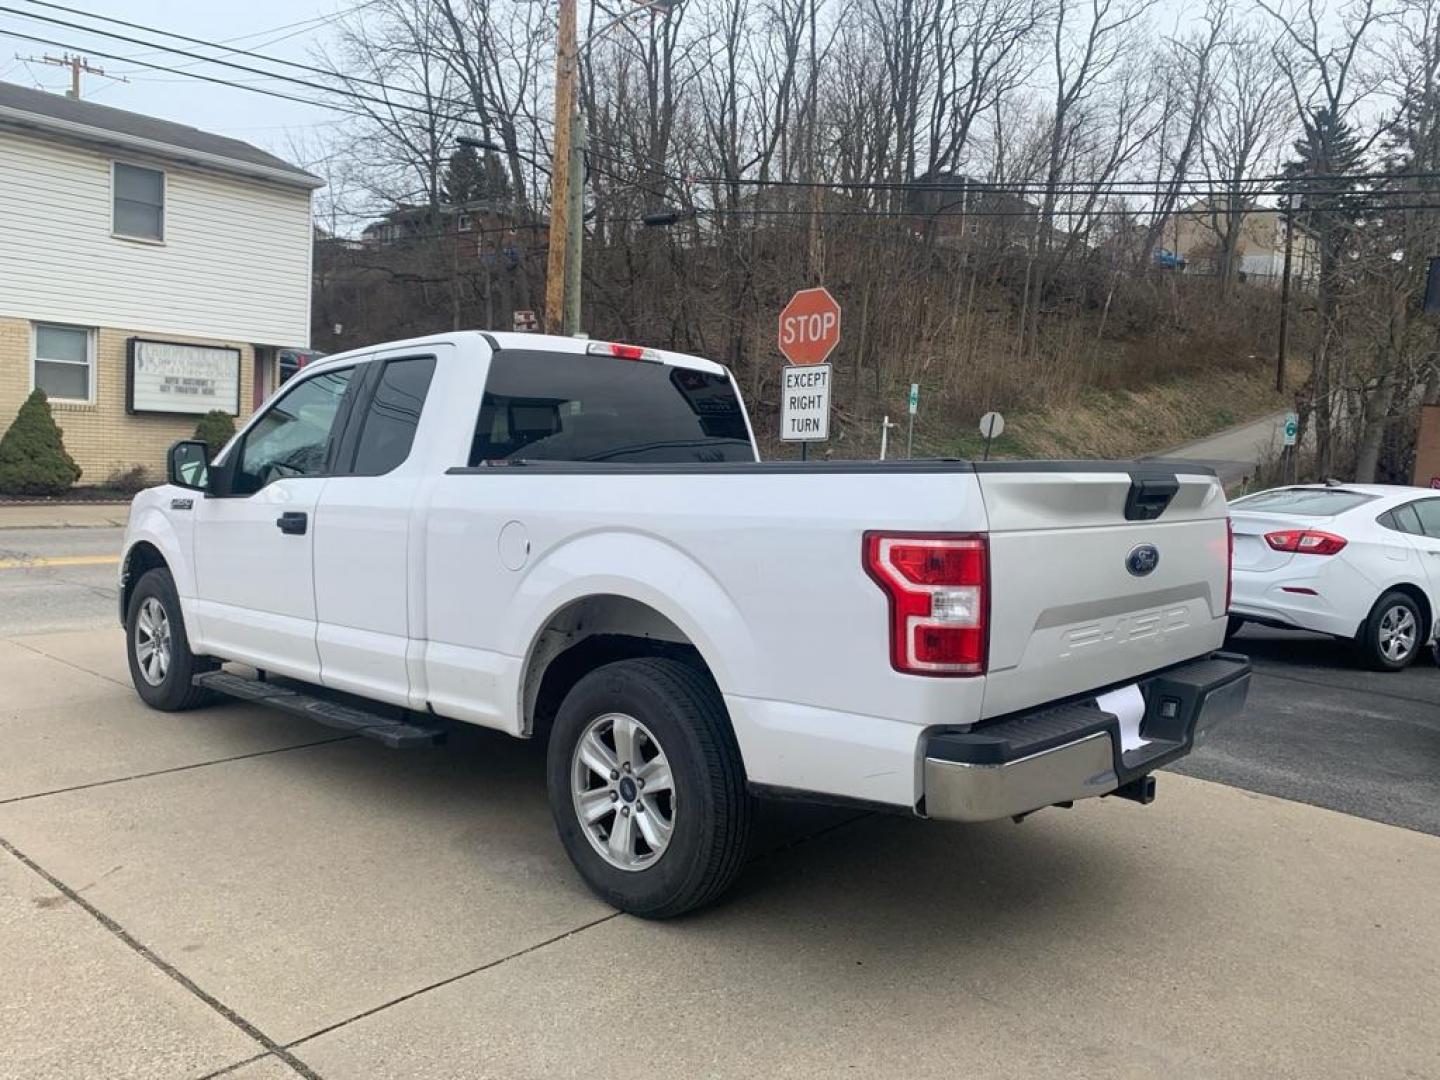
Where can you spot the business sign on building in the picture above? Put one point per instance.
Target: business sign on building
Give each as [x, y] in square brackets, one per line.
[169, 377]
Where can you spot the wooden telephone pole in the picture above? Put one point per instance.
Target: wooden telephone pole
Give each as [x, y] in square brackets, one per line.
[77, 64]
[565, 77]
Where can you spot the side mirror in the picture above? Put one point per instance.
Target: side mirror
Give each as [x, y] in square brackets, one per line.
[188, 464]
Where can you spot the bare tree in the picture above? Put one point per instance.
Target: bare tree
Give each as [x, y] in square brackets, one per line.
[1325, 68]
[1248, 124]
[1189, 62]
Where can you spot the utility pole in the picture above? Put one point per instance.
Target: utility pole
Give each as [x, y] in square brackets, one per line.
[575, 225]
[1285, 295]
[560, 239]
[76, 64]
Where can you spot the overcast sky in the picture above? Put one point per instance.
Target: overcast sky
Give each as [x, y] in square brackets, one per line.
[262, 25]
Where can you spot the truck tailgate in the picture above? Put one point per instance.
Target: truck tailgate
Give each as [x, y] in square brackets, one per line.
[1100, 573]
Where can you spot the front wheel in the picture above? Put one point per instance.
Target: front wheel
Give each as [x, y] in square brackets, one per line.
[647, 787]
[162, 666]
[1390, 638]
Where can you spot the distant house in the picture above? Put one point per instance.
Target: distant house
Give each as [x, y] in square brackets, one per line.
[1196, 234]
[492, 230]
[149, 272]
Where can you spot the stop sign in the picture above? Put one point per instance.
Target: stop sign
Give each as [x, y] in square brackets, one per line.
[809, 326]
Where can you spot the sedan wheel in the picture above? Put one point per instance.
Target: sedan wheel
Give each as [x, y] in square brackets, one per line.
[1398, 630]
[1393, 632]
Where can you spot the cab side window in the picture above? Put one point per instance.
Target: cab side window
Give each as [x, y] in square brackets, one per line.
[293, 437]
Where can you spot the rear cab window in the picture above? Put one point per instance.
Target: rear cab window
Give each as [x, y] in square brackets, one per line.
[548, 406]
[1307, 502]
[387, 429]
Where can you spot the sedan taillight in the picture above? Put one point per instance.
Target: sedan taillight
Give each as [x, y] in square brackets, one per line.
[1305, 541]
[938, 586]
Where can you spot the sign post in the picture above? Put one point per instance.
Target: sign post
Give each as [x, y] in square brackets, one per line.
[1290, 431]
[914, 404]
[992, 425]
[808, 332]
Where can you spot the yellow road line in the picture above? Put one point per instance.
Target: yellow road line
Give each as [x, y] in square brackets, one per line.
[60, 560]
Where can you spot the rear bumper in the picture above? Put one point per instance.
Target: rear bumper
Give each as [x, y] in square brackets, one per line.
[1070, 751]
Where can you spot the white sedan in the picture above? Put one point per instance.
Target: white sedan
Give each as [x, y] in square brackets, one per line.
[1359, 561]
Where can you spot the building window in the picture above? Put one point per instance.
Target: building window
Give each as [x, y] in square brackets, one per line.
[64, 358]
[465, 224]
[139, 202]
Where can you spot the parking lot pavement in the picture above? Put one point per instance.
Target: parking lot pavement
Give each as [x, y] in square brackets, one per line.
[229, 887]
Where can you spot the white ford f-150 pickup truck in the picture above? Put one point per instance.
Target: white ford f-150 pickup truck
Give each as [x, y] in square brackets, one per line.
[576, 540]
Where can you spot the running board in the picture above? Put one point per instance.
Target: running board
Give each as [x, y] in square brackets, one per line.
[396, 734]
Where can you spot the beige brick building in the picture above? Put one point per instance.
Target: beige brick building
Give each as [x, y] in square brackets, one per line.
[149, 272]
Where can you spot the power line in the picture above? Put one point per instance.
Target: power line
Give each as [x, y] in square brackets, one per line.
[353, 94]
[305, 25]
[157, 47]
[193, 75]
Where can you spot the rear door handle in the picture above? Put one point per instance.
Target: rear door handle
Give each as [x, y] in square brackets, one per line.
[293, 522]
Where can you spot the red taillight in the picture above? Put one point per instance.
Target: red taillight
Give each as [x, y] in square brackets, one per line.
[1229, 562]
[938, 587]
[1305, 541]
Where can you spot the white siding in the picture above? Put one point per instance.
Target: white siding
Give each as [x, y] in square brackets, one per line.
[235, 263]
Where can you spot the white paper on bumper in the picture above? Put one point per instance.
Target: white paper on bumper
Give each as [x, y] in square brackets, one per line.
[1128, 704]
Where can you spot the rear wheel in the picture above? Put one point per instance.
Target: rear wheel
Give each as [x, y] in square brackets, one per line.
[161, 663]
[647, 786]
[1391, 636]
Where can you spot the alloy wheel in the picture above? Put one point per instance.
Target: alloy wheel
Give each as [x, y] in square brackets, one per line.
[1398, 633]
[152, 641]
[623, 791]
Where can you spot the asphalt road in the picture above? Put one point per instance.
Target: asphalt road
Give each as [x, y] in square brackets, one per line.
[1320, 729]
[57, 578]
[1234, 452]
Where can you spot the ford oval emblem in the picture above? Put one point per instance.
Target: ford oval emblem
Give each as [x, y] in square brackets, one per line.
[1143, 559]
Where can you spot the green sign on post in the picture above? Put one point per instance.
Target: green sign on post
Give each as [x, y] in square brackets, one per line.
[1292, 428]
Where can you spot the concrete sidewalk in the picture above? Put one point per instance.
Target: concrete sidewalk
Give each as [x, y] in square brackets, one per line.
[41, 515]
[182, 894]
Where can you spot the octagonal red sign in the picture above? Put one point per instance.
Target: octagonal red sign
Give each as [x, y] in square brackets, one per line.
[809, 326]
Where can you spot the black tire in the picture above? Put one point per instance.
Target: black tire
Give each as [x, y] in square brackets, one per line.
[712, 809]
[1378, 629]
[1233, 626]
[173, 691]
